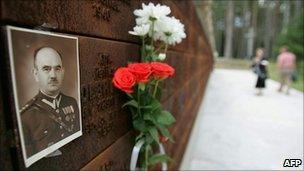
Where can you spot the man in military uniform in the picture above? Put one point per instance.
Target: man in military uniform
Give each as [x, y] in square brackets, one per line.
[50, 116]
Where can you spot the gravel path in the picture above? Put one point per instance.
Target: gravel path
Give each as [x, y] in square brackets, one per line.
[237, 130]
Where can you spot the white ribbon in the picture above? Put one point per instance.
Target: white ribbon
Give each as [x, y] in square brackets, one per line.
[135, 154]
[162, 151]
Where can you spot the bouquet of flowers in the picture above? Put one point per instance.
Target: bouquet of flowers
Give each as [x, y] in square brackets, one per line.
[141, 81]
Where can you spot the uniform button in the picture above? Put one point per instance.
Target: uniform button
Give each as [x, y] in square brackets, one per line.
[45, 132]
[67, 118]
[62, 135]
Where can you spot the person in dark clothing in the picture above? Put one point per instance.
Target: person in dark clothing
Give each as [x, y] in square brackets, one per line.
[260, 69]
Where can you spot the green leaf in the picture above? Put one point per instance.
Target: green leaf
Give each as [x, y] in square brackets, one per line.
[131, 103]
[147, 116]
[154, 133]
[149, 140]
[164, 131]
[146, 107]
[140, 125]
[152, 106]
[165, 118]
[130, 95]
[158, 158]
[155, 105]
[141, 86]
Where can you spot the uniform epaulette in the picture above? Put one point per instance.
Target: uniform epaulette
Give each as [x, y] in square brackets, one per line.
[27, 105]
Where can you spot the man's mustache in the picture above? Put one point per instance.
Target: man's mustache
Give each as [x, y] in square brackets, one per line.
[53, 81]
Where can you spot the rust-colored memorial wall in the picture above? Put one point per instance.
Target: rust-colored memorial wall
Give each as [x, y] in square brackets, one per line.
[104, 44]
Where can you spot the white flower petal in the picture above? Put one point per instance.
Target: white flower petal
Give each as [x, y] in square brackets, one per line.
[170, 30]
[140, 30]
[151, 11]
[167, 29]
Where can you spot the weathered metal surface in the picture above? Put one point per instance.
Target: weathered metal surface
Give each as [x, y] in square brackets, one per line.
[111, 19]
[100, 18]
[116, 157]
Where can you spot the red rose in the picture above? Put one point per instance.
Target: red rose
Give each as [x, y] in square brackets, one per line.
[161, 70]
[142, 71]
[124, 80]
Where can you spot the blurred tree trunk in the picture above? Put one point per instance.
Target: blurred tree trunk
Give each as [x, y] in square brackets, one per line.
[299, 8]
[286, 16]
[242, 44]
[205, 15]
[229, 29]
[277, 26]
[272, 27]
[268, 28]
[252, 32]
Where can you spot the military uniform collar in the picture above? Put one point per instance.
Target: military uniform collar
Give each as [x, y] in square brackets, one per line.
[42, 94]
[54, 102]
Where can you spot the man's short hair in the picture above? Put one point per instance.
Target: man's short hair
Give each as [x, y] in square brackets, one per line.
[37, 50]
[260, 48]
[284, 47]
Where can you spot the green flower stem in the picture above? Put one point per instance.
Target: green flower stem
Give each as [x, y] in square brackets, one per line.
[138, 99]
[158, 49]
[166, 48]
[152, 33]
[146, 158]
[155, 88]
[143, 48]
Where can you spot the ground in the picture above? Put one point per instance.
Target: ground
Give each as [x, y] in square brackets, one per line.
[245, 64]
[235, 129]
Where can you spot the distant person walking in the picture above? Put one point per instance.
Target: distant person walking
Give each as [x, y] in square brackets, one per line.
[286, 63]
[260, 68]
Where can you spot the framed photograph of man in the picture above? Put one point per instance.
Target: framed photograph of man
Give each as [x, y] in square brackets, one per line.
[45, 75]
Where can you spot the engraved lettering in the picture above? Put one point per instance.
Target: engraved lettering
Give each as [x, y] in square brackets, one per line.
[99, 104]
[104, 8]
[106, 166]
[111, 165]
[110, 4]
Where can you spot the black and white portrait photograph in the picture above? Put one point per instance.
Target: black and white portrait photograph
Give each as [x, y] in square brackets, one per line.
[46, 84]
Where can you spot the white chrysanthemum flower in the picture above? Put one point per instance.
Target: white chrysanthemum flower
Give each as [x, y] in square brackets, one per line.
[170, 30]
[140, 30]
[162, 56]
[150, 13]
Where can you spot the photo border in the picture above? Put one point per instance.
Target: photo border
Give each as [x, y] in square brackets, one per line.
[29, 161]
